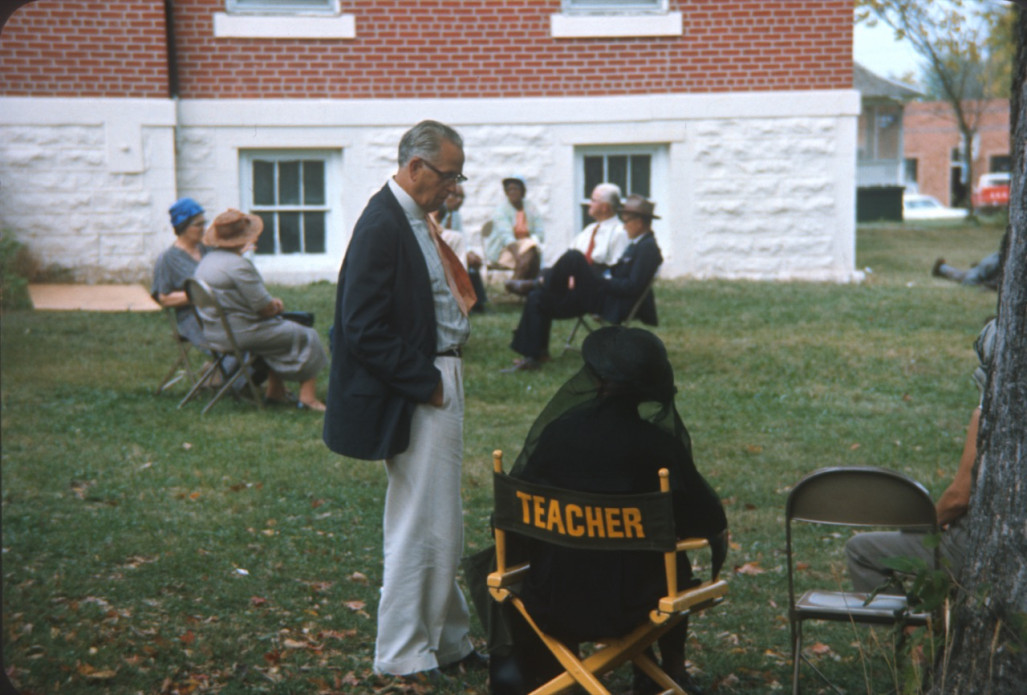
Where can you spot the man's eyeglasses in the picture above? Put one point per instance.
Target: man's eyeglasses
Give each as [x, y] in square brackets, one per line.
[448, 177]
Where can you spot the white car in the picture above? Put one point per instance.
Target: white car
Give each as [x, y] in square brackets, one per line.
[924, 207]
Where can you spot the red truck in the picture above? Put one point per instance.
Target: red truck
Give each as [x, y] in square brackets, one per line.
[991, 191]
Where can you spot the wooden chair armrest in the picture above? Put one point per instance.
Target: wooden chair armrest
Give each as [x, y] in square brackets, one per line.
[692, 544]
[704, 593]
[513, 575]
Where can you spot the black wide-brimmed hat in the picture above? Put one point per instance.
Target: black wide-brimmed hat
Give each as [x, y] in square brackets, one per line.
[633, 357]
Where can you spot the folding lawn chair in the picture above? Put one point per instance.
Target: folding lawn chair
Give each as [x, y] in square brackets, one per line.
[201, 297]
[583, 321]
[181, 368]
[643, 522]
[857, 496]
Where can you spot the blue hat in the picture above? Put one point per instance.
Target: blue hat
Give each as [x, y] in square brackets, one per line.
[184, 210]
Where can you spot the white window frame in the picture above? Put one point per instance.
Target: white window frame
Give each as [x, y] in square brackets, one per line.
[332, 207]
[659, 171]
[282, 7]
[271, 19]
[608, 6]
[614, 19]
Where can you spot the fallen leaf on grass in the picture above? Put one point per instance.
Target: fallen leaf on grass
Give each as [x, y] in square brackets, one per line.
[820, 649]
[188, 638]
[337, 634]
[96, 674]
[802, 566]
[257, 601]
[750, 568]
[358, 577]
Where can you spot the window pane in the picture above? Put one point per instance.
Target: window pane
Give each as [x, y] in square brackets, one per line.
[593, 175]
[617, 171]
[266, 241]
[289, 232]
[640, 172]
[263, 182]
[313, 183]
[314, 232]
[288, 183]
[280, 6]
[613, 4]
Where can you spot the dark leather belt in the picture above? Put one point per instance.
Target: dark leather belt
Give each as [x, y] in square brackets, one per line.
[455, 352]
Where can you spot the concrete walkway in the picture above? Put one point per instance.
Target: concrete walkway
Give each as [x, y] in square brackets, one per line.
[91, 298]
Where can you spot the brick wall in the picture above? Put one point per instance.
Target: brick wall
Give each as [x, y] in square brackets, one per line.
[85, 49]
[431, 48]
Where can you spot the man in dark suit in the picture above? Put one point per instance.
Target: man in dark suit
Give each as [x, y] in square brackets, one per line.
[570, 288]
[396, 393]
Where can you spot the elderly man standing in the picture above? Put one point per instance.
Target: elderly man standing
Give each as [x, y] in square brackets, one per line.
[396, 393]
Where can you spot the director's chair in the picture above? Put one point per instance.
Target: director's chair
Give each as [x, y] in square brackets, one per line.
[597, 522]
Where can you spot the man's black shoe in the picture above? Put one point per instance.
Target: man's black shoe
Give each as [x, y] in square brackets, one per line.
[475, 661]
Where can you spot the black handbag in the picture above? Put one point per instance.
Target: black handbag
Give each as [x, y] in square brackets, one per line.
[304, 318]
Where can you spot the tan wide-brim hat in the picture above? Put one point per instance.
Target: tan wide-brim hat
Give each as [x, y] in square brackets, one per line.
[638, 205]
[233, 229]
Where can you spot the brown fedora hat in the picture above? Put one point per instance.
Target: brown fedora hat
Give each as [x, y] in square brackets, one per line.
[637, 205]
[233, 229]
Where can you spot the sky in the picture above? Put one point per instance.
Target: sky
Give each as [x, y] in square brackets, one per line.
[877, 50]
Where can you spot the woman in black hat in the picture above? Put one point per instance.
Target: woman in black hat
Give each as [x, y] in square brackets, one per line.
[609, 430]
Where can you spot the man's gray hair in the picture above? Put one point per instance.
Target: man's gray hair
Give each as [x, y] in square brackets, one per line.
[425, 139]
[609, 193]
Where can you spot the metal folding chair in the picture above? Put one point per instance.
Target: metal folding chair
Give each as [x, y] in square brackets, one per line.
[855, 497]
[202, 299]
[597, 522]
[583, 321]
[181, 368]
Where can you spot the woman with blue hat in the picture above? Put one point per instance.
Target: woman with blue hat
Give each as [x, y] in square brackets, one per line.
[179, 262]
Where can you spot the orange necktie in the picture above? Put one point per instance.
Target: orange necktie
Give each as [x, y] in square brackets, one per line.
[456, 276]
[591, 244]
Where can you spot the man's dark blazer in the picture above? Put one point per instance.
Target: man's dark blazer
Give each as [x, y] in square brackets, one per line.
[383, 340]
[630, 277]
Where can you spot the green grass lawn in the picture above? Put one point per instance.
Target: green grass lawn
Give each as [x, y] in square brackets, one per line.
[148, 549]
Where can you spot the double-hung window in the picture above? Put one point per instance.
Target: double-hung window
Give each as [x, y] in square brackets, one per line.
[631, 168]
[615, 18]
[288, 190]
[281, 7]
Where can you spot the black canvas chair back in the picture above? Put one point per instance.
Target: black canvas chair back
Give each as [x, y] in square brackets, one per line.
[599, 522]
[855, 497]
[228, 370]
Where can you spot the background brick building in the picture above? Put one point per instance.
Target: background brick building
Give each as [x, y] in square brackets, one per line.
[934, 149]
[737, 118]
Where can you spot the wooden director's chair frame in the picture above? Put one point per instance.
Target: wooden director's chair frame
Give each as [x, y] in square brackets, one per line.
[657, 520]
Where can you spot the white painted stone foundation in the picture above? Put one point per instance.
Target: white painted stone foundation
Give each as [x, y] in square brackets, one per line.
[756, 185]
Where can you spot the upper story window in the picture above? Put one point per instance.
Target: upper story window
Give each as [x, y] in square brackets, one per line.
[281, 7]
[614, 5]
[614, 19]
[284, 19]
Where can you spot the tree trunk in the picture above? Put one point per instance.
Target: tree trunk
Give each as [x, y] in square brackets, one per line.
[988, 650]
